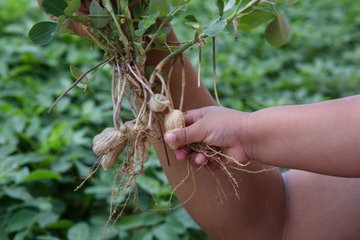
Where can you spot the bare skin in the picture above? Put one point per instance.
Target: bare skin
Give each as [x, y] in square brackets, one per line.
[296, 205]
[260, 210]
[322, 137]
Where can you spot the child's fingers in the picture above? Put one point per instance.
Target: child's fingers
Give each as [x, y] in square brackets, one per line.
[193, 116]
[180, 137]
[198, 158]
[181, 154]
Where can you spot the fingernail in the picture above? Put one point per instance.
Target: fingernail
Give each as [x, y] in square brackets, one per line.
[169, 137]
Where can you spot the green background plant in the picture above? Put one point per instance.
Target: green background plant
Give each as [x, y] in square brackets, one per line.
[44, 156]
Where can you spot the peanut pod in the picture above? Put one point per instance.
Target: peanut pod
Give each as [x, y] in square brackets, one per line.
[174, 120]
[109, 159]
[158, 103]
[107, 141]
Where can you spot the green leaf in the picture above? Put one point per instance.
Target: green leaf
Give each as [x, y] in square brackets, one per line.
[278, 31]
[79, 231]
[131, 222]
[229, 5]
[147, 22]
[43, 33]
[191, 18]
[149, 184]
[151, 218]
[254, 19]
[20, 220]
[21, 235]
[163, 232]
[60, 21]
[21, 174]
[99, 15]
[3, 234]
[18, 193]
[175, 225]
[41, 174]
[47, 238]
[61, 224]
[220, 6]
[142, 234]
[76, 73]
[73, 6]
[177, 3]
[162, 36]
[211, 22]
[291, 2]
[54, 7]
[215, 28]
[46, 218]
[159, 5]
[194, 25]
[181, 215]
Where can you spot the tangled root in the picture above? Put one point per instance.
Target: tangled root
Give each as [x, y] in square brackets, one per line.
[151, 110]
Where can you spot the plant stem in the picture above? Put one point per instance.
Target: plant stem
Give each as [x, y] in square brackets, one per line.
[271, 4]
[247, 7]
[199, 65]
[182, 84]
[125, 9]
[160, 27]
[123, 39]
[107, 40]
[168, 57]
[140, 80]
[188, 45]
[156, 33]
[214, 70]
[118, 6]
[94, 38]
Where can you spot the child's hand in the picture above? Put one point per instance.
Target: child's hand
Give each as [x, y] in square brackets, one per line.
[215, 126]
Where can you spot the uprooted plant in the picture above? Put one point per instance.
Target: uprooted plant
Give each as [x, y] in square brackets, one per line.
[126, 32]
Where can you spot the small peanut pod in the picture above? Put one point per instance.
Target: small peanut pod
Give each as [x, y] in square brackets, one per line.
[158, 103]
[108, 160]
[128, 127]
[107, 141]
[174, 120]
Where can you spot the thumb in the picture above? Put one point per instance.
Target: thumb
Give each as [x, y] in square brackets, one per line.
[184, 136]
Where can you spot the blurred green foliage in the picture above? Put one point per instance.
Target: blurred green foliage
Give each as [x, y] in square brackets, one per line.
[43, 157]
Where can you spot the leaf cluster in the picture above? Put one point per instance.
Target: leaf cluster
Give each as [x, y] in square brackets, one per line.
[131, 34]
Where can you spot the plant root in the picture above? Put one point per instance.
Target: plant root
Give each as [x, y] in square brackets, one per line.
[129, 83]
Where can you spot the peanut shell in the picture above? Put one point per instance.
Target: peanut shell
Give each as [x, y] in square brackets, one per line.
[174, 120]
[109, 159]
[107, 141]
[158, 103]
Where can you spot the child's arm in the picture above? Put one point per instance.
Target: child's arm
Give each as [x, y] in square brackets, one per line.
[322, 137]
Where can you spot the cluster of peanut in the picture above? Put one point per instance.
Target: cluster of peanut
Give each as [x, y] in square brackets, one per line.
[110, 143]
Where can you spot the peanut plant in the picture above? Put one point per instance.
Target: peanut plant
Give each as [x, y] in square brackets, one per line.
[126, 31]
